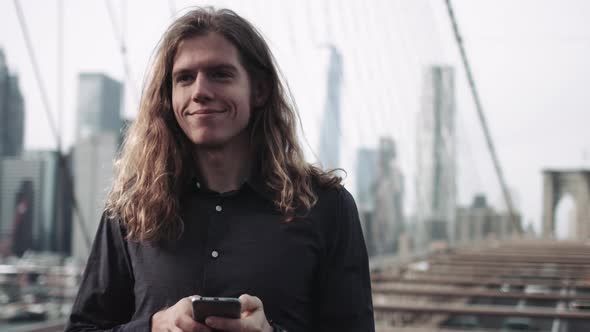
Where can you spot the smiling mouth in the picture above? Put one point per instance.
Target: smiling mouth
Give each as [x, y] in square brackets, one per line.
[206, 112]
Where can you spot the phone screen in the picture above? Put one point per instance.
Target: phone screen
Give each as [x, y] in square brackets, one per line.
[204, 307]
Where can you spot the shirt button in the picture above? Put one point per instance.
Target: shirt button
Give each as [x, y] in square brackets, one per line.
[218, 208]
[214, 254]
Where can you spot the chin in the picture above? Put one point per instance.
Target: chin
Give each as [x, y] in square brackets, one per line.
[216, 139]
[210, 145]
[208, 142]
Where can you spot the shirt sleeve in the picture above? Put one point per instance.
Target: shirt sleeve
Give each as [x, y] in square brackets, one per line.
[105, 300]
[345, 299]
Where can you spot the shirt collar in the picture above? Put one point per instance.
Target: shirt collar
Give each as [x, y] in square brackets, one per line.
[254, 181]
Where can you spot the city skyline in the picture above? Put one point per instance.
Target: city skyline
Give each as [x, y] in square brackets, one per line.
[531, 73]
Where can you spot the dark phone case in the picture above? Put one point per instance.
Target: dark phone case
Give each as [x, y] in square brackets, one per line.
[216, 306]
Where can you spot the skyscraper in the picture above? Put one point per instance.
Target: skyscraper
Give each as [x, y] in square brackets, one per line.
[40, 169]
[380, 194]
[14, 172]
[22, 231]
[329, 151]
[93, 154]
[12, 116]
[93, 170]
[99, 105]
[366, 178]
[389, 193]
[436, 165]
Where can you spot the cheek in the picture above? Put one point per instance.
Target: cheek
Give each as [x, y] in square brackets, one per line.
[245, 114]
[246, 106]
[177, 116]
[177, 105]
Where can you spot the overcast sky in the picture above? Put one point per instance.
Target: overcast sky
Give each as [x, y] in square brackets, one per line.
[529, 59]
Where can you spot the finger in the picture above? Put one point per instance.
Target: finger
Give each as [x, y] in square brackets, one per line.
[224, 324]
[185, 323]
[250, 303]
[188, 324]
[203, 328]
[187, 304]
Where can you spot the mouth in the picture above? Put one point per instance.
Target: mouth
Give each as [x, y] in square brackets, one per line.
[205, 112]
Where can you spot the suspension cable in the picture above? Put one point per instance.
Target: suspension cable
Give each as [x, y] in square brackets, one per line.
[482, 119]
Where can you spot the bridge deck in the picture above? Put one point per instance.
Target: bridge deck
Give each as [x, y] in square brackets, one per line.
[542, 285]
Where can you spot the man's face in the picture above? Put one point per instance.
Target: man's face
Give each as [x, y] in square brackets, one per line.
[211, 90]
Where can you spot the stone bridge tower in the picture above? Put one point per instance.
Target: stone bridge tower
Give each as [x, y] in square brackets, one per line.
[557, 183]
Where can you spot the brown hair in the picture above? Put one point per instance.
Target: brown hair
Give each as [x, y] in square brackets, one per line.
[153, 166]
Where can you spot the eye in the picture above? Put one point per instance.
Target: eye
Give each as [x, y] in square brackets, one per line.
[184, 78]
[221, 74]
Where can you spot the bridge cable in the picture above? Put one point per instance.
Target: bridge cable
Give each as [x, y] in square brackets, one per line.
[62, 163]
[120, 39]
[506, 193]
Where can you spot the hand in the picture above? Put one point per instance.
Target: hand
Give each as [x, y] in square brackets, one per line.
[252, 320]
[177, 318]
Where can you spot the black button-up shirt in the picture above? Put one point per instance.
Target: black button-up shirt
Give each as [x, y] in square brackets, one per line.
[311, 273]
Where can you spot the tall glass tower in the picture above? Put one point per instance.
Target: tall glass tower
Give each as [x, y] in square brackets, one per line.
[98, 138]
[436, 165]
[330, 132]
[99, 105]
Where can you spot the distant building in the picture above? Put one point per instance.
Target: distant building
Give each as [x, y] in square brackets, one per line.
[480, 222]
[21, 238]
[99, 105]
[99, 134]
[329, 151]
[366, 178]
[380, 194]
[93, 159]
[12, 116]
[60, 234]
[388, 222]
[436, 164]
[13, 173]
[38, 169]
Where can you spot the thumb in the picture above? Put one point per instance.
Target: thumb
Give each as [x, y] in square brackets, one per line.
[250, 303]
[186, 304]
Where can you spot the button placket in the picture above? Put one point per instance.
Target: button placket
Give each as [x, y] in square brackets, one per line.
[213, 251]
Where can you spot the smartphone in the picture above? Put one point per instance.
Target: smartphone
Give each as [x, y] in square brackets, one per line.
[203, 307]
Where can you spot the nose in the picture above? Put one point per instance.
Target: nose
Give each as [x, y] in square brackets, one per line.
[203, 91]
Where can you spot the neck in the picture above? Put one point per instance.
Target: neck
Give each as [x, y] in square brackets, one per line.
[225, 168]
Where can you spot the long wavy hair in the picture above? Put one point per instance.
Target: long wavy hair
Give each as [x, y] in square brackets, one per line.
[156, 156]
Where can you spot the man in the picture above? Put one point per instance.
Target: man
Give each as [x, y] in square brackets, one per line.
[212, 197]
